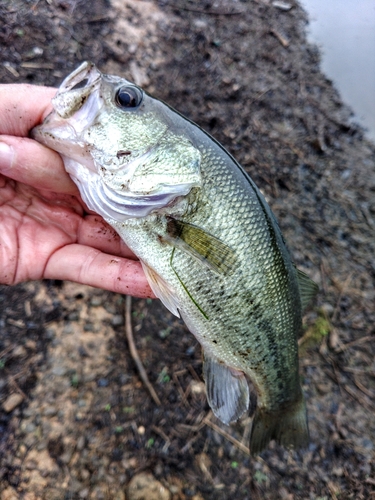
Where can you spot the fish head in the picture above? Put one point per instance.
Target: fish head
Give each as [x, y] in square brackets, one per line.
[127, 152]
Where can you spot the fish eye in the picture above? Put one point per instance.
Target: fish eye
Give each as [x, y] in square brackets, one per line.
[128, 97]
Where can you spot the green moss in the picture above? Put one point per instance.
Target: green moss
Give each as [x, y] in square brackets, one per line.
[315, 333]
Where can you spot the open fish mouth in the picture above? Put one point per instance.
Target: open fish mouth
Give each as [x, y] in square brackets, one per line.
[75, 107]
[78, 87]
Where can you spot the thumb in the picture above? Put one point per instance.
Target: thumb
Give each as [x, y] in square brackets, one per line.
[26, 161]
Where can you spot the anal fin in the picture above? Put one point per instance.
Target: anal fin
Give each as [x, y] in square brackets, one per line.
[227, 390]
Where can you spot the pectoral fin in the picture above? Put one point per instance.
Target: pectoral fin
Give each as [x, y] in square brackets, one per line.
[227, 390]
[205, 247]
[307, 288]
[161, 289]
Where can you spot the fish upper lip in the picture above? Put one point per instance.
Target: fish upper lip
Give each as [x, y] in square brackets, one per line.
[76, 77]
[86, 70]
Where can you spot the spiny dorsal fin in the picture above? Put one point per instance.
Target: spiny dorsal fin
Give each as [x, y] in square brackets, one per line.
[307, 288]
[227, 390]
[204, 246]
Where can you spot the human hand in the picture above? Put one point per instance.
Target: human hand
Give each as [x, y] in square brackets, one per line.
[45, 229]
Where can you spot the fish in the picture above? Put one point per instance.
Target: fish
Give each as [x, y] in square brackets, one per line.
[208, 242]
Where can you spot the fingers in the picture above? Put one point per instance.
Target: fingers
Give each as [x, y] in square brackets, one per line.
[96, 233]
[22, 107]
[26, 161]
[91, 267]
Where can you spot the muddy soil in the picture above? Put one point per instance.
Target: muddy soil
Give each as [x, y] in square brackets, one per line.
[75, 419]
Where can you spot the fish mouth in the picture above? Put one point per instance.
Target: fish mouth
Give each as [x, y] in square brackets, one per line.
[80, 85]
[75, 106]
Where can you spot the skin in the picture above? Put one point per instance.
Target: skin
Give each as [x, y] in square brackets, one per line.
[46, 231]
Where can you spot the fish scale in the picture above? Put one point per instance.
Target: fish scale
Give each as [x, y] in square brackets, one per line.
[209, 244]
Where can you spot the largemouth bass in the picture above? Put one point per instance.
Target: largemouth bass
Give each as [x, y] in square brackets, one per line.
[207, 240]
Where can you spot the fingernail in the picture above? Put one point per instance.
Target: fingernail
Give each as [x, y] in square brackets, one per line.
[6, 156]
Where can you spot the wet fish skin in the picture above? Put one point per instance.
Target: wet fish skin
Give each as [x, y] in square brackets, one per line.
[208, 242]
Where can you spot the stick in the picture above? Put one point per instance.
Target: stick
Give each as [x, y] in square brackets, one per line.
[134, 352]
[227, 436]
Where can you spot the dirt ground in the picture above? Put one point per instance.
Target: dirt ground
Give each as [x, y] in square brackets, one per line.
[76, 421]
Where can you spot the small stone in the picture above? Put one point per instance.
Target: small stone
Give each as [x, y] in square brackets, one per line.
[9, 494]
[85, 474]
[49, 411]
[367, 444]
[73, 316]
[31, 344]
[60, 371]
[200, 24]
[338, 471]
[144, 485]
[19, 351]
[31, 464]
[285, 6]
[30, 427]
[327, 308]
[12, 402]
[22, 450]
[102, 382]
[117, 320]
[84, 493]
[119, 495]
[96, 301]
[81, 443]
[197, 387]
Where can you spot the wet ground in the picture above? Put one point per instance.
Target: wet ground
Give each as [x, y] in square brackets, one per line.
[75, 419]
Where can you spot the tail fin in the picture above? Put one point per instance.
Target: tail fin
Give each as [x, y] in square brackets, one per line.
[288, 427]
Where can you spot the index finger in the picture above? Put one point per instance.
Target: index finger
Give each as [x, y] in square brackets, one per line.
[22, 106]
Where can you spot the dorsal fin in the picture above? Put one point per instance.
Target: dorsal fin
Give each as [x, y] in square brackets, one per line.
[307, 288]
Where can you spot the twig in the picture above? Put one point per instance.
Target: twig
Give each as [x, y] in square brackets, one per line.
[364, 389]
[283, 41]
[227, 436]
[362, 401]
[194, 373]
[163, 435]
[359, 371]
[12, 380]
[344, 288]
[134, 353]
[180, 390]
[37, 65]
[361, 340]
